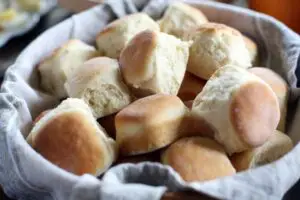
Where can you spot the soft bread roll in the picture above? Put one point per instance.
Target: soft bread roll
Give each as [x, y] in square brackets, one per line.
[277, 146]
[114, 37]
[55, 69]
[191, 86]
[241, 108]
[198, 159]
[252, 49]
[279, 86]
[149, 124]
[214, 46]
[69, 137]
[99, 83]
[154, 62]
[180, 18]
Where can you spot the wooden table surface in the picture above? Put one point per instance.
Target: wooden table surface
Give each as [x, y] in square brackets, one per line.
[9, 52]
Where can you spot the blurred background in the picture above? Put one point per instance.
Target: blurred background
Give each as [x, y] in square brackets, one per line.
[287, 11]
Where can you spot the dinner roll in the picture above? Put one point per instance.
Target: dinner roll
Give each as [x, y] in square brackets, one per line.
[190, 87]
[180, 18]
[149, 124]
[214, 46]
[279, 86]
[154, 62]
[99, 83]
[252, 49]
[240, 107]
[277, 146]
[198, 159]
[56, 68]
[114, 37]
[69, 137]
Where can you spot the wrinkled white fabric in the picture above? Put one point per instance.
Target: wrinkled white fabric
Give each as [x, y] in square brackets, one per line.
[26, 175]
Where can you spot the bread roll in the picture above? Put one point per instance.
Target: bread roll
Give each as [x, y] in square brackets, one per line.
[277, 146]
[214, 46]
[69, 137]
[252, 49]
[280, 88]
[99, 83]
[190, 87]
[180, 18]
[56, 68]
[108, 123]
[114, 37]
[198, 159]
[149, 124]
[240, 107]
[154, 62]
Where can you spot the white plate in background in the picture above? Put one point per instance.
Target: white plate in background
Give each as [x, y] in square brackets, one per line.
[31, 19]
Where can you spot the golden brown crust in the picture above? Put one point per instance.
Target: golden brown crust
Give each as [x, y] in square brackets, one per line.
[198, 159]
[135, 57]
[147, 109]
[113, 25]
[254, 113]
[149, 124]
[70, 142]
[151, 138]
[190, 87]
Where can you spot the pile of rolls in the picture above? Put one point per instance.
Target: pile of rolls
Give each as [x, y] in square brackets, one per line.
[182, 91]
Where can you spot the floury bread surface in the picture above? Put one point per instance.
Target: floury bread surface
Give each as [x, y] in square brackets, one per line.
[69, 137]
[99, 83]
[215, 45]
[198, 159]
[240, 107]
[115, 36]
[149, 124]
[154, 62]
[55, 69]
[180, 18]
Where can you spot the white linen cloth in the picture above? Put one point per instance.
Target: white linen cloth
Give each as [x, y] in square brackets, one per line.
[24, 174]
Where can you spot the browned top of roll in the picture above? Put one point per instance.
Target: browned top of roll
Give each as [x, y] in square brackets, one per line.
[198, 159]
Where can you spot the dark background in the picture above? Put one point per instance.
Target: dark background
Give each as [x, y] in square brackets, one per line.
[11, 50]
